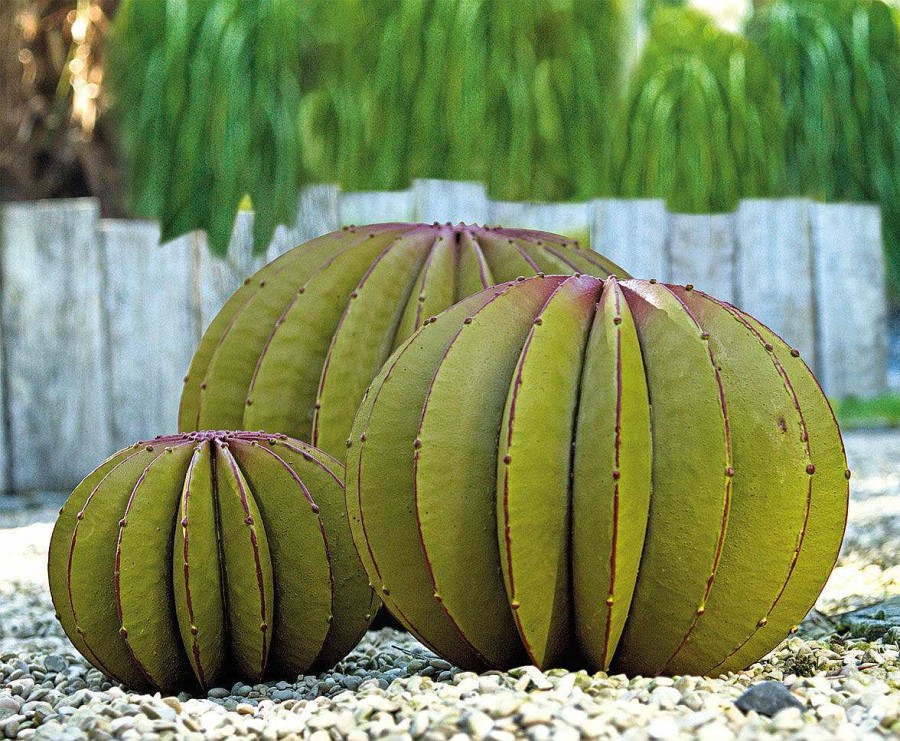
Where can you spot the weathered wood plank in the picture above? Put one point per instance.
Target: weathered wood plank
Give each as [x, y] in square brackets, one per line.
[152, 326]
[375, 207]
[773, 268]
[448, 200]
[569, 219]
[53, 343]
[317, 214]
[218, 277]
[849, 271]
[632, 233]
[701, 252]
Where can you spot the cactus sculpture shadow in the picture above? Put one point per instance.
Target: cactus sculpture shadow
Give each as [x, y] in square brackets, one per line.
[667, 495]
[202, 558]
[295, 348]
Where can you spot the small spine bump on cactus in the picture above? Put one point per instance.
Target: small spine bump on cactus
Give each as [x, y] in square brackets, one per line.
[467, 320]
[610, 601]
[795, 352]
[847, 474]
[769, 347]
[538, 322]
[246, 281]
[811, 469]
[515, 604]
[123, 633]
[616, 474]
[302, 289]
[617, 320]
[354, 294]
[507, 459]
[763, 622]
[729, 472]
[417, 443]
[653, 281]
[262, 284]
[689, 287]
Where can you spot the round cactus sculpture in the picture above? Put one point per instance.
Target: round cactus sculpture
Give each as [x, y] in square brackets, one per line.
[209, 557]
[667, 492]
[295, 348]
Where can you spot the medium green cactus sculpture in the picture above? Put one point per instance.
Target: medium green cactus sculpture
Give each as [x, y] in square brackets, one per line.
[295, 348]
[569, 471]
[208, 557]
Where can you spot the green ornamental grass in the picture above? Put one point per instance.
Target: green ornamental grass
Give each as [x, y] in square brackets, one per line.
[838, 65]
[702, 120]
[208, 93]
[219, 99]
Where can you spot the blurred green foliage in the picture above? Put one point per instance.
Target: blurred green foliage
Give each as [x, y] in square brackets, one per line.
[838, 65]
[220, 97]
[702, 113]
[208, 93]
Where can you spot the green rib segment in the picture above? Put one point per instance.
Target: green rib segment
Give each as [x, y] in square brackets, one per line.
[769, 489]
[296, 539]
[69, 530]
[824, 527]
[473, 272]
[506, 256]
[697, 524]
[93, 552]
[611, 479]
[353, 604]
[384, 526]
[145, 549]
[364, 337]
[207, 557]
[533, 469]
[433, 289]
[282, 392]
[690, 495]
[197, 572]
[456, 468]
[247, 568]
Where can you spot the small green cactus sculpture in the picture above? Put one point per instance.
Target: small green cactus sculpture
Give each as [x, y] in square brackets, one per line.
[209, 557]
[295, 348]
[570, 471]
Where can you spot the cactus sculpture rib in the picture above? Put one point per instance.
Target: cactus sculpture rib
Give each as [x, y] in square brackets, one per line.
[296, 346]
[667, 493]
[207, 557]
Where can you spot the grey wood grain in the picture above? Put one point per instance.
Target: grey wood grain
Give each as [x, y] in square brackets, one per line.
[849, 274]
[446, 200]
[632, 233]
[572, 220]
[53, 343]
[317, 214]
[365, 207]
[152, 326]
[218, 277]
[701, 252]
[773, 268]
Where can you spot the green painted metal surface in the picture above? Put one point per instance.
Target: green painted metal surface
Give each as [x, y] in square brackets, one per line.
[596, 473]
[294, 349]
[200, 559]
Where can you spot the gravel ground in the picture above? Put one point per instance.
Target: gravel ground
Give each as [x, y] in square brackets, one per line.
[831, 684]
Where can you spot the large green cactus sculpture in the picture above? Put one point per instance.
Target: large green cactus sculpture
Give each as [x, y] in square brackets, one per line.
[208, 557]
[564, 470]
[295, 348]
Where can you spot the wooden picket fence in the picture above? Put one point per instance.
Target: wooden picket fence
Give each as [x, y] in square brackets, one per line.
[99, 322]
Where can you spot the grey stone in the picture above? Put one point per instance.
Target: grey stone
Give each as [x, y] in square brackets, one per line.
[767, 698]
